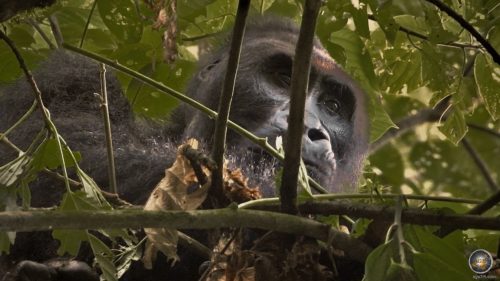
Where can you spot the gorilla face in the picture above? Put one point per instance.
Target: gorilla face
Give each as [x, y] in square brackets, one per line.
[335, 135]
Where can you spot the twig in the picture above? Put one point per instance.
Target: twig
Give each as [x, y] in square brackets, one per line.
[107, 130]
[298, 91]
[226, 98]
[425, 37]
[200, 37]
[399, 229]
[199, 219]
[56, 31]
[484, 129]
[84, 34]
[38, 96]
[35, 25]
[467, 26]
[20, 121]
[483, 168]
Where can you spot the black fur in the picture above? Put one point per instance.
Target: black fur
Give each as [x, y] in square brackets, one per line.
[144, 149]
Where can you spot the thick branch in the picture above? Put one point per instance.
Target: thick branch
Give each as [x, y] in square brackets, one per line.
[202, 219]
[227, 97]
[298, 91]
[467, 26]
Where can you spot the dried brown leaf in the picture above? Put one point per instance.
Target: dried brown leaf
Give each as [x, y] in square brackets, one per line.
[172, 193]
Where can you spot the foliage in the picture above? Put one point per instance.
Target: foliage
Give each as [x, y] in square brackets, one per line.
[408, 55]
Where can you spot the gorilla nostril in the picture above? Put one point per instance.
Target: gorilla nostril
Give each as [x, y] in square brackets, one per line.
[316, 135]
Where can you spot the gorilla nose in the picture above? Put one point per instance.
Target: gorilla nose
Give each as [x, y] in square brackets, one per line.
[316, 135]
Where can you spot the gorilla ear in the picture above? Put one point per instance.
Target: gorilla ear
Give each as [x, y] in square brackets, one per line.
[205, 72]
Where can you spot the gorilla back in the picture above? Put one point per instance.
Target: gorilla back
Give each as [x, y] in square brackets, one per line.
[335, 136]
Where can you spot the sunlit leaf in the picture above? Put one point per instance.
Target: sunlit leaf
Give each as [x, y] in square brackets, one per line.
[487, 75]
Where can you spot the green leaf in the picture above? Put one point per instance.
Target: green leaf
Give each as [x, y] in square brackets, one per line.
[380, 121]
[440, 250]
[384, 15]
[360, 18]
[262, 5]
[5, 242]
[388, 159]
[15, 170]
[487, 75]
[121, 18]
[429, 267]
[454, 128]
[379, 261]
[47, 156]
[103, 257]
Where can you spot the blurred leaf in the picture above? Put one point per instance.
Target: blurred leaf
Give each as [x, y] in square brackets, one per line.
[388, 159]
[262, 5]
[487, 75]
[429, 267]
[121, 18]
[4, 243]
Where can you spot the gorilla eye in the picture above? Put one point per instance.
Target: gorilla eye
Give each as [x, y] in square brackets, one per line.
[331, 105]
[283, 79]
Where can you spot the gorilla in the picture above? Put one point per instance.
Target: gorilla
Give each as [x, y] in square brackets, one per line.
[334, 139]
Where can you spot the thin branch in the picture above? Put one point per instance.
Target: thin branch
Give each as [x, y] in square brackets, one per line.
[467, 26]
[408, 123]
[477, 210]
[56, 31]
[298, 91]
[107, 130]
[88, 23]
[425, 37]
[379, 197]
[200, 219]
[200, 37]
[261, 142]
[484, 129]
[226, 97]
[35, 25]
[399, 229]
[483, 168]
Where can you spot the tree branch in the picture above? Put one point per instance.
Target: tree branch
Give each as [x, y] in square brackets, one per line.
[467, 26]
[227, 97]
[298, 92]
[425, 37]
[410, 122]
[483, 168]
[411, 216]
[201, 219]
